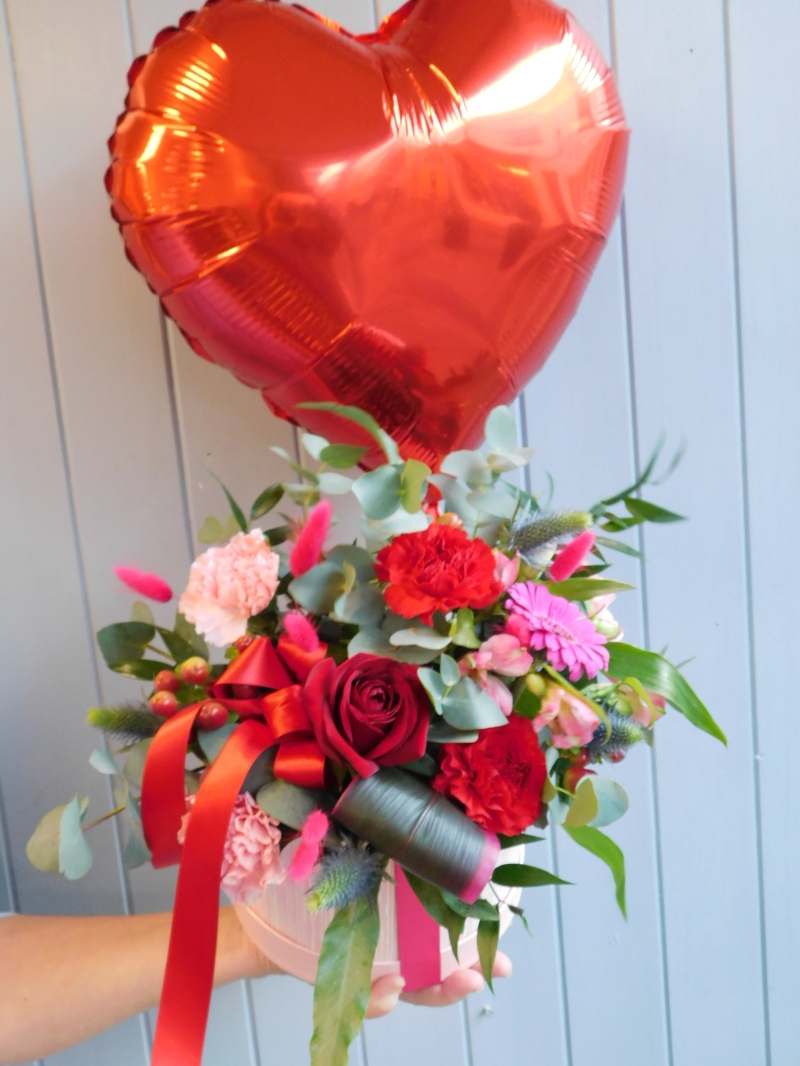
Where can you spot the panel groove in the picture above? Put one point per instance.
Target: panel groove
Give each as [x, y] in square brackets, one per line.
[169, 374]
[746, 530]
[637, 466]
[561, 955]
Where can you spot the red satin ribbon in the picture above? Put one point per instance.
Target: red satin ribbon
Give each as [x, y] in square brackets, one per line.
[299, 758]
[186, 995]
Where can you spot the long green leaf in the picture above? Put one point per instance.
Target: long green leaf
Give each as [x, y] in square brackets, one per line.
[643, 478]
[517, 875]
[604, 848]
[659, 675]
[363, 419]
[619, 546]
[432, 900]
[344, 979]
[584, 588]
[238, 513]
[520, 838]
[651, 512]
[488, 936]
[268, 499]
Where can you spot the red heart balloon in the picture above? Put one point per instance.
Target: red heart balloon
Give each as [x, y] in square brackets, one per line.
[403, 221]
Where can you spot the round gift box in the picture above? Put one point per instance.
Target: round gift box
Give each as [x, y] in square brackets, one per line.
[280, 923]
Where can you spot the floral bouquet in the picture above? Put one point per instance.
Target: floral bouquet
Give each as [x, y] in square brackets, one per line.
[394, 713]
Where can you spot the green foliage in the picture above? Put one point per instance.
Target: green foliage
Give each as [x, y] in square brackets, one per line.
[412, 482]
[488, 936]
[213, 741]
[74, 854]
[213, 531]
[466, 706]
[363, 419]
[658, 675]
[124, 641]
[133, 767]
[432, 899]
[236, 510]
[129, 722]
[42, 848]
[585, 588]
[462, 629]
[141, 612]
[265, 502]
[141, 669]
[286, 802]
[598, 802]
[101, 761]
[650, 512]
[184, 629]
[515, 841]
[518, 875]
[379, 492]
[342, 456]
[611, 854]
[179, 648]
[344, 980]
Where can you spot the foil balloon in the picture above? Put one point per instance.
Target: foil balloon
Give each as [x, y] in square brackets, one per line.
[403, 221]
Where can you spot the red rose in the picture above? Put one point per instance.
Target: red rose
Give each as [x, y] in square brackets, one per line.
[499, 778]
[439, 569]
[369, 712]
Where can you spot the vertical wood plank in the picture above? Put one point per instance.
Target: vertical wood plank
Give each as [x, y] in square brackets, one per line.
[765, 112]
[672, 74]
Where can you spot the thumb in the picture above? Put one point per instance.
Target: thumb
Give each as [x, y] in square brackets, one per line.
[385, 994]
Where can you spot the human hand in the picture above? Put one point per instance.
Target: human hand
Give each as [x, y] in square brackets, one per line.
[387, 990]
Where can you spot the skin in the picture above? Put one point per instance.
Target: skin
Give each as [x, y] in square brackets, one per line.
[63, 980]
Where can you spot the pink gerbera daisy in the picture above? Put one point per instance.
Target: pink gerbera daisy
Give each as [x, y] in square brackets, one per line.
[556, 625]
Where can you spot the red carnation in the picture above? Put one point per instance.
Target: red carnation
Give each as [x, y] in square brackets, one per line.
[440, 569]
[499, 778]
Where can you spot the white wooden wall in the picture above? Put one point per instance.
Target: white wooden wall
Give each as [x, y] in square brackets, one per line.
[691, 325]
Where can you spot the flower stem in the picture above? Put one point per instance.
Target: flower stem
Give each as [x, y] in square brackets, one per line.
[104, 818]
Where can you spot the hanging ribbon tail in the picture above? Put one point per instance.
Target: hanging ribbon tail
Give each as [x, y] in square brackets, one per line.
[163, 800]
[418, 938]
[186, 994]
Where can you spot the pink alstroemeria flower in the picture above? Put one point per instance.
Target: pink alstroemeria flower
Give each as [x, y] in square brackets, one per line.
[506, 570]
[504, 654]
[308, 546]
[570, 719]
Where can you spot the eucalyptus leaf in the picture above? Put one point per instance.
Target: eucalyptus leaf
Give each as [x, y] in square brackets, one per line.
[488, 936]
[334, 484]
[358, 558]
[363, 606]
[265, 502]
[124, 641]
[342, 456]
[613, 801]
[495, 500]
[378, 492]
[288, 803]
[303, 495]
[212, 741]
[425, 767]
[470, 466]
[141, 612]
[585, 805]
[517, 875]
[231, 527]
[211, 531]
[468, 707]
[141, 669]
[419, 636]
[449, 670]
[585, 588]
[501, 429]
[344, 981]
[611, 854]
[318, 588]
[314, 445]
[363, 419]
[399, 522]
[455, 497]
[74, 854]
[434, 685]
[133, 767]
[136, 852]
[412, 482]
[42, 848]
[619, 546]
[659, 675]
[439, 732]
[102, 762]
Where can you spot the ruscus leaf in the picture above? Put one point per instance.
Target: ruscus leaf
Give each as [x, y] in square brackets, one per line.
[238, 513]
[517, 875]
[268, 499]
[488, 936]
[611, 854]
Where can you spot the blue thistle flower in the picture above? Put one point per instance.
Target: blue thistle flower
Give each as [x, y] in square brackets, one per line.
[612, 741]
[346, 875]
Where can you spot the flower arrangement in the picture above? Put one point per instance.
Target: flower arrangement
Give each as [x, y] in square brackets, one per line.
[428, 697]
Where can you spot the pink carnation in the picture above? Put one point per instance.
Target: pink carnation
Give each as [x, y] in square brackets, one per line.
[556, 625]
[570, 719]
[251, 859]
[228, 585]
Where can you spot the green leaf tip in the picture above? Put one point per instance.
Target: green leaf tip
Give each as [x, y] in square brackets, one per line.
[611, 854]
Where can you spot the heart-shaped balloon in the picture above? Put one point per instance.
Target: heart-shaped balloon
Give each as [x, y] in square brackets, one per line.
[403, 221]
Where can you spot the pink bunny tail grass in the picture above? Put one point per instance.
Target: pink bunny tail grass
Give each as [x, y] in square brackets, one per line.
[150, 585]
[571, 558]
[300, 631]
[307, 855]
[308, 546]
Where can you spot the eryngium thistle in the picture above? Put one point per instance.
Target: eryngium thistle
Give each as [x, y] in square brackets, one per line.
[346, 875]
[527, 534]
[614, 739]
[131, 722]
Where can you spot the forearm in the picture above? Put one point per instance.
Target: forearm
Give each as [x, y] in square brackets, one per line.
[62, 980]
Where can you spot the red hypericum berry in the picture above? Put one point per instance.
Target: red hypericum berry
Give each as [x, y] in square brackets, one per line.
[164, 704]
[573, 775]
[194, 671]
[166, 681]
[212, 715]
[243, 642]
[579, 758]
[245, 692]
[616, 756]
